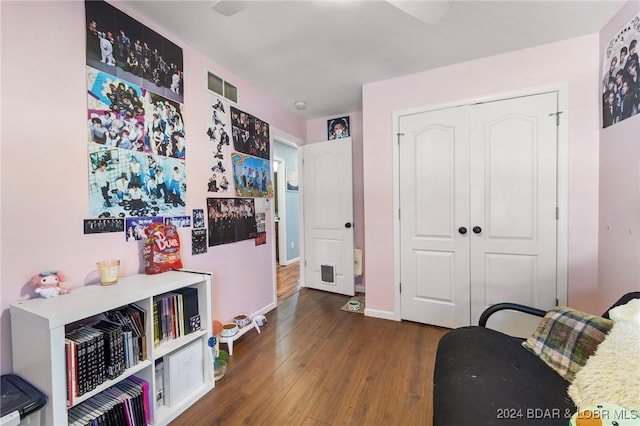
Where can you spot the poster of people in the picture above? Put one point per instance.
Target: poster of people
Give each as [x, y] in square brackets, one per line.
[101, 226]
[127, 183]
[250, 134]
[135, 132]
[621, 75]
[252, 176]
[123, 47]
[135, 227]
[220, 179]
[198, 241]
[338, 128]
[231, 220]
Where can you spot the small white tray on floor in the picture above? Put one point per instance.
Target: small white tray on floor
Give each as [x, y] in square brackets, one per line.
[230, 339]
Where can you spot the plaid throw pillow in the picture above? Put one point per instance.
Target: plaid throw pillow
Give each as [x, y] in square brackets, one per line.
[565, 338]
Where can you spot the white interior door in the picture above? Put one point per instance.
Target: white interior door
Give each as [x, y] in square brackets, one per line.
[434, 203]
[327, 198]
[478, 211]
[513, 206]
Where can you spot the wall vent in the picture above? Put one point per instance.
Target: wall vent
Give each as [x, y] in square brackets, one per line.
[221, 87]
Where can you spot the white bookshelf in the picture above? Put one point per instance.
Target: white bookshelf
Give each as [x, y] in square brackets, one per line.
[38, 338]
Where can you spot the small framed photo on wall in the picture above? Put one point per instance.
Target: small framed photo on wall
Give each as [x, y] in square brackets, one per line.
[338, 128]
[292, 180]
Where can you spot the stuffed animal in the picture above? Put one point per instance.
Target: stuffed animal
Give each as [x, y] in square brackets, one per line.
[47, 284]
[605, 415]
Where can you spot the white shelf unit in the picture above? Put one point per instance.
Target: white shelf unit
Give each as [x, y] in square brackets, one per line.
[38, 338]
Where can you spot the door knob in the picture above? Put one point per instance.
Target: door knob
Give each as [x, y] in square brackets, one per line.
[347, 225]
[477, 229]
[462, 230]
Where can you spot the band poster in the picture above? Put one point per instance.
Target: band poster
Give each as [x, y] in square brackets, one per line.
[621, 75]
[250, 134]
[135, 123]
[231, 220]
[252, 176]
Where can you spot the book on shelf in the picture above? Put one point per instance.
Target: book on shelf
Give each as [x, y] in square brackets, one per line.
[114, 351]
[132, 319]
[159, 396]
[72, 384]
[121, 404]
[191, 315]
[89, 357]
[175, 314]
[104, 350]
[145, 396]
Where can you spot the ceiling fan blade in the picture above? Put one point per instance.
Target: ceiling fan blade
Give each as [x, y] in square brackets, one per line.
[426, 11]
[229, 7]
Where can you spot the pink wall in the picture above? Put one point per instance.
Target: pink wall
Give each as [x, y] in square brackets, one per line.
[619, 230]
[44, 166]
[316, 132]
[574, 63]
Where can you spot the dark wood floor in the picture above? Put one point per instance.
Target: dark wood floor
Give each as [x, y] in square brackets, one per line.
[314, 364]
[288, 278]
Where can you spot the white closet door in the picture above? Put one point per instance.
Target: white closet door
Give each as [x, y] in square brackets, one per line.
[513, 205]
[490, 170]
[434, 204]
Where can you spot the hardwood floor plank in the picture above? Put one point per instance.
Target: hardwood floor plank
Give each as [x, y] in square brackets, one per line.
[288, 278]
[314, 364]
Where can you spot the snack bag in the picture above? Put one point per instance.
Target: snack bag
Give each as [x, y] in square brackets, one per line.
[161, 251]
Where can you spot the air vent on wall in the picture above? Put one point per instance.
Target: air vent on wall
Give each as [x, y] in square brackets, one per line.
[221, 87]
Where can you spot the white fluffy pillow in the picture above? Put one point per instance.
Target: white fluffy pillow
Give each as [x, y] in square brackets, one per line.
[629, 311]
[612, 373]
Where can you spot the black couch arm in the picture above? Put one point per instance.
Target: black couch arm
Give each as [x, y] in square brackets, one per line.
[482, 322]
[539, 312]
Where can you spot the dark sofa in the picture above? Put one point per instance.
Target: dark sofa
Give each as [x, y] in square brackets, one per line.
[485, 377]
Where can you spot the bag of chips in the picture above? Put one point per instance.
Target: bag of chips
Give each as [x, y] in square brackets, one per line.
[161, 251]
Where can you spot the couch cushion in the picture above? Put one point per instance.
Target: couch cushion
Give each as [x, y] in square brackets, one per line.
[484, 377]
[566, 337]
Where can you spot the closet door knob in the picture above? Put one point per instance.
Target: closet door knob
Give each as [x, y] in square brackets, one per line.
[477, 229]
[462, 230]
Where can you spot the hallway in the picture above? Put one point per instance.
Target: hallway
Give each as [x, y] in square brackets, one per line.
[288, 279]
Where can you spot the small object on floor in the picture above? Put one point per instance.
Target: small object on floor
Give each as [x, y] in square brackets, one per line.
[355, 304]
[261, 320]
[228, 340]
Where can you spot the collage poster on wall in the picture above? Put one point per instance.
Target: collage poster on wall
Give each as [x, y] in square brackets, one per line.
[220, 179]
[231, 220]
[621, 75]
[135, 124]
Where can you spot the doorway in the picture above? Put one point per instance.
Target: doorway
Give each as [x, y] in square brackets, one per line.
[478, 196]
[286, 217]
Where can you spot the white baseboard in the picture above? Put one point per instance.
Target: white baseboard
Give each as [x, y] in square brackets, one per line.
[360, 288]
[375, 313]
[290, 261]
[263, 311]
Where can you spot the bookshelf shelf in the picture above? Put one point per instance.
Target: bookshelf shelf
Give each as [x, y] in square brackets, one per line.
[39, 327]
[128, 372]
[168, 347]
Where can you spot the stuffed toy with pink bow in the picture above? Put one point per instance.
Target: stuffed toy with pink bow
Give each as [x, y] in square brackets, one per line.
[47, 284]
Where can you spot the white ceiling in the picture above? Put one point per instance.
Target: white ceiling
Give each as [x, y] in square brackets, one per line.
[322, 52]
